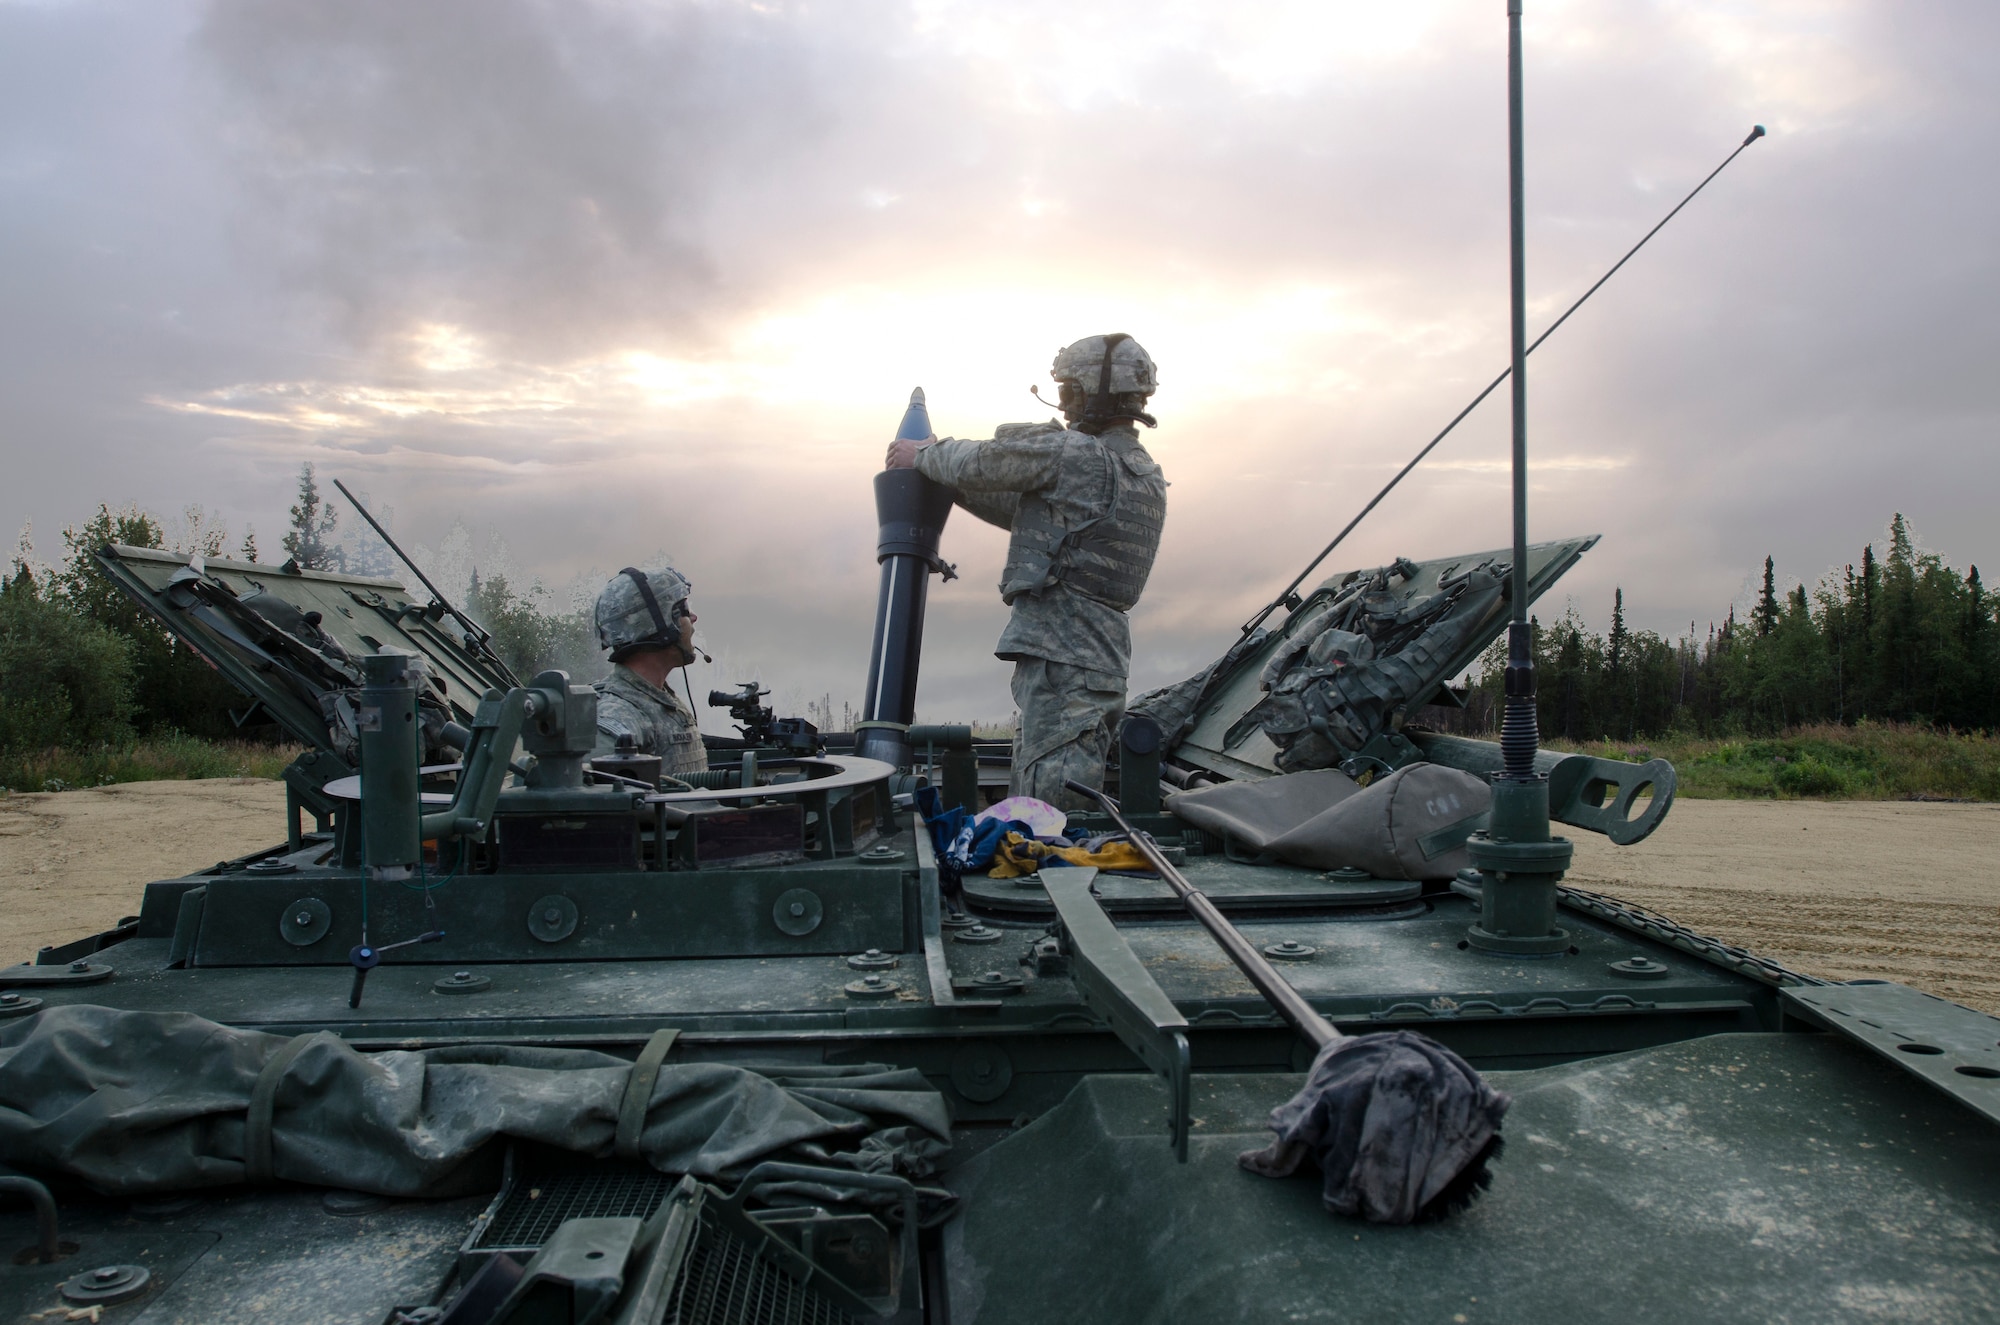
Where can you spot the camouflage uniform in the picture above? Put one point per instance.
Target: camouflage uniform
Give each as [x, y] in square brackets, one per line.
[656, 720]
[1086, 513]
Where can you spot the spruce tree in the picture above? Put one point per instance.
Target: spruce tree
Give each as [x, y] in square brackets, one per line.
[313, 523]
[1871, 587]
[1616, 644]
[1766, 615]
[1982, 704]
[1896, 644]
[1861, 661]
[1620, 710]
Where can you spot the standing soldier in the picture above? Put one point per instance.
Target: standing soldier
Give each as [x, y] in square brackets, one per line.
[643, 619]
[1085, 504]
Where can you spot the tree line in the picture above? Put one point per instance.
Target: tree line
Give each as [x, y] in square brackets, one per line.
[1900, 637]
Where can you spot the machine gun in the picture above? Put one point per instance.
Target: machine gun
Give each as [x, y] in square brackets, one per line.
[760, 728]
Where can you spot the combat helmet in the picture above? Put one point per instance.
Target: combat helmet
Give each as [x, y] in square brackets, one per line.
[639, 610]
[1104, 379]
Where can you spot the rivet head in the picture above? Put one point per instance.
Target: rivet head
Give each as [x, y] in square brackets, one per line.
[303, 918]
[10, 998]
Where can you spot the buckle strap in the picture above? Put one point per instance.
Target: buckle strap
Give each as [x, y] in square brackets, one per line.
[639, 1092]
[257, 1157]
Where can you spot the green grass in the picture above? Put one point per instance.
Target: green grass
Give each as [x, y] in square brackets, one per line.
[153, 759]
[1871, 761]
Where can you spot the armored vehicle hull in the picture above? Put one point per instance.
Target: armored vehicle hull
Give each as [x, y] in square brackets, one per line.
[1696, 1132]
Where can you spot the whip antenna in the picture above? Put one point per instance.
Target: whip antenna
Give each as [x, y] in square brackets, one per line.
[477, 639]
[1285, 597]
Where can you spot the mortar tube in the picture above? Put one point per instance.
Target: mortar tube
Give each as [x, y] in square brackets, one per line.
[910, 512]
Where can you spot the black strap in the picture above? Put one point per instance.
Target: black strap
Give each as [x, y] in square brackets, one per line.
[257, 1158]
[1101, 408]
[663, 629]
[1111, 343]
[639, 1093]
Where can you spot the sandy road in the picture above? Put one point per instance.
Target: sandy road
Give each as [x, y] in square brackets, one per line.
[1892, 890]
[1885, 889]
[73, 862]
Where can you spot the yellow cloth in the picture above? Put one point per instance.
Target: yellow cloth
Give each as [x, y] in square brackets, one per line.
[1020, 855]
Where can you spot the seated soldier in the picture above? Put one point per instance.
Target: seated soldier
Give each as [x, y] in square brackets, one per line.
[643, 619]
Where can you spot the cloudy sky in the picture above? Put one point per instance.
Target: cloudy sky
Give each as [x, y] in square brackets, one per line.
[596, 281]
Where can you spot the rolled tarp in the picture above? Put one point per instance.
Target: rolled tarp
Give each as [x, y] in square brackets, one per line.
[139, 1102]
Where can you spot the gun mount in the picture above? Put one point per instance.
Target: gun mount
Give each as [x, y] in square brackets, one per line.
[759, 727]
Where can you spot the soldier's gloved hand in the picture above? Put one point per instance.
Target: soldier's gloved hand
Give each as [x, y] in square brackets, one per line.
[903, 452]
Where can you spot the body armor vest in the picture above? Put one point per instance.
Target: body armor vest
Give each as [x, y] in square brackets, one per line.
[1105, 559]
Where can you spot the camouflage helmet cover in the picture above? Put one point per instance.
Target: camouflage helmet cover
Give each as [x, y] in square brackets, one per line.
[638, 609]
[1132, 371]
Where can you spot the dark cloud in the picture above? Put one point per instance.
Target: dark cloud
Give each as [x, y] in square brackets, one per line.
[544, 172]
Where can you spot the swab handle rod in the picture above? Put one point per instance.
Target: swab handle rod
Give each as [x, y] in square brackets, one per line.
[1277, 991]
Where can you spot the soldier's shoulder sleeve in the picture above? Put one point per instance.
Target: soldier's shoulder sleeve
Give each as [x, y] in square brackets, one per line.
[1139, 461]
[616, 717]
[1011, 432]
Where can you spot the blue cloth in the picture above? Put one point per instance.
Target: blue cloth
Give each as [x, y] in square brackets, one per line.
[963, 843]
[978, 841]
[943, 824]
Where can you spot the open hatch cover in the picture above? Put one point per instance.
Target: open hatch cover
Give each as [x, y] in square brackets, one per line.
[1220, 739]
[293, 640]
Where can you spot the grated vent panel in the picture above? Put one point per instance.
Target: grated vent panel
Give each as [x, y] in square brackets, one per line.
[725, 1283]
[535, 1208]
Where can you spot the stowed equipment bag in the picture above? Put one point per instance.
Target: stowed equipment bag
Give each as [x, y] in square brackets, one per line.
[1411, 824]
[1354, 661]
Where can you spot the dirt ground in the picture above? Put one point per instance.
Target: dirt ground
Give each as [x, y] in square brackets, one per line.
[73, 862]
[1849, 890]
[1885, 889]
